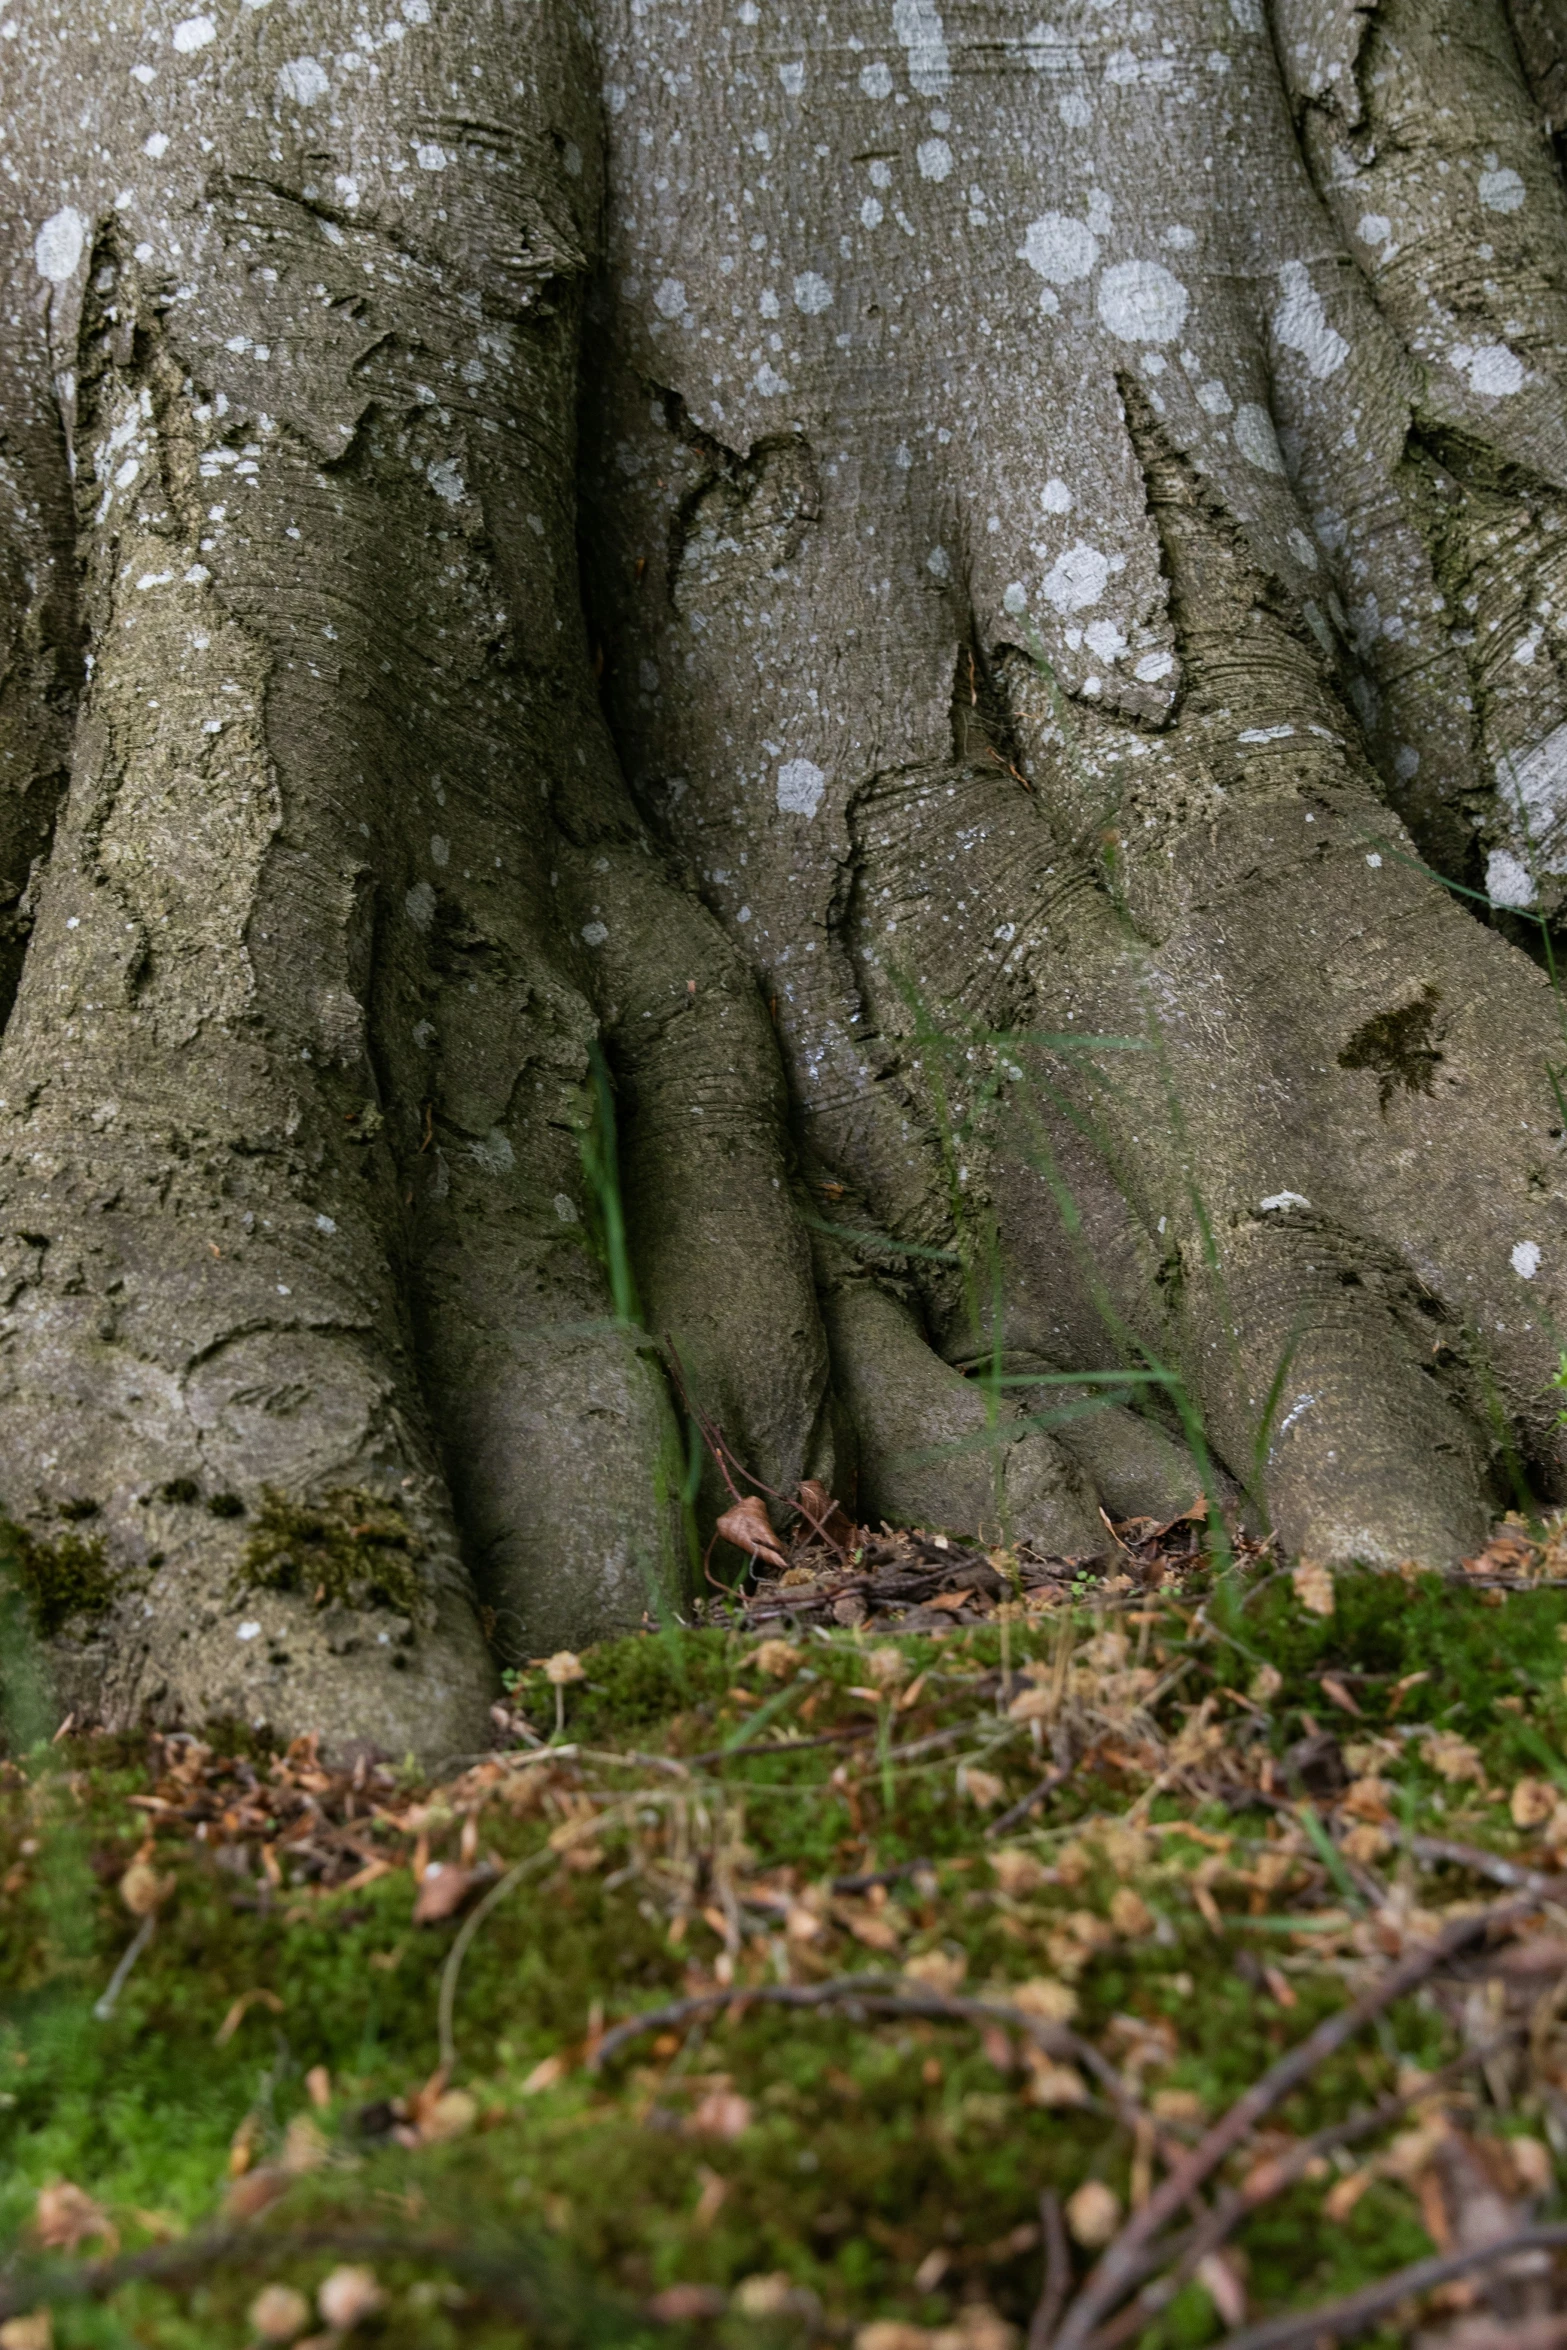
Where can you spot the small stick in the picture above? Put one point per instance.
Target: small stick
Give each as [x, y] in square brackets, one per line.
[1020, 1811]
[1112, 2277]
[103, 2007]
[1058, 2272]
[1356, 2311]
[876, 1992]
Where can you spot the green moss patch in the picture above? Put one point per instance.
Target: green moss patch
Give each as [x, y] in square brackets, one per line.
[353, 1548]
[58, 1579]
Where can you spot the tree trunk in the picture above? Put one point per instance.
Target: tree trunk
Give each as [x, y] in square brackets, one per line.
[1004, 814]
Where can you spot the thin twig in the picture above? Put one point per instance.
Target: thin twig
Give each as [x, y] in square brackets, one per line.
[1058, 2272]
[103, 2007]
[1122, 2263]
[882, 1995]
[1020, 1811]
[1356, 2311]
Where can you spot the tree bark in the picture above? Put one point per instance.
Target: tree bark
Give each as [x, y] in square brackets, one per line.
[1014, 785]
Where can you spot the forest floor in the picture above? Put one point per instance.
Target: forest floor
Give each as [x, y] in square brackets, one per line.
[876, 1963]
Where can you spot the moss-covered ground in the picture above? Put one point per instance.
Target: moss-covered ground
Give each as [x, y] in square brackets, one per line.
[1238, 1843]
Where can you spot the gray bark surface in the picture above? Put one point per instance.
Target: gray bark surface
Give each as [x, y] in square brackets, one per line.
[789, 565]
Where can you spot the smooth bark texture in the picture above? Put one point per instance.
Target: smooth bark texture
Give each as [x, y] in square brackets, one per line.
[726, 588]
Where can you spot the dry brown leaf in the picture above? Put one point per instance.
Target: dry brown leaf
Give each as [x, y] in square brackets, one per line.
[1177, 2105]
[1333, 1689]
[1093, 2214]
[545, 2074]
[1314, 1587]
[776, 1658]
[710, 2201]
[450, 2115]
[747, 1525]
[892, 2333]
[1531, 1803]
[938, 1970]
[304, 2147]
[1452, 1757]
[1031, 1705]
[1130, 1914]
[442, 1890]
[278, 2313]
[1221, 2282]
[722, 2113]
[1367, 1799]
[873, 1928]
[1052, 2002]
[685, 2304]
[35, 2331]
[1017, 1872]
[65, 2216]
[348, 2296]
[774, 2296]
[823, 1514]
[982, 1788]
[1366, 1843]
[143, 1890]
[318, 2087]
[1266, 1682]
[952, 1601]
[240, 2009]
[1532, 2164]
[1342, 2197]
[1056, 2086]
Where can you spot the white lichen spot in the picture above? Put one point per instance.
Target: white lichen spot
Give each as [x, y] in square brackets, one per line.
[1059, 248]
[327, 1225]
[445, 480]
[918, 28]
[430, 156]
[1213, 399]
[1301, 547]
[870, 213]
[440, 850]
[193, 32]
[1526, 1259]
[1300, 323]
[1501, 191]
[793, 79]
[493, 1152]
[1105, 640]
[594, 933]
[419, 905]
[1373, 859]
[1493, 371]
[1508, 882]
[768, 381]
[876, 79]
[1265, 734]
[1277, 1201]
[57, 248]
[1055, 497]
[1248, 15]
[1075, 110]
[565, 1209]
[934, 158]
[1152, 667]
[249, 1630]
[1256, 439]
[1077, 579]
[799, 788]
[347, 191]
[304, 79]
[157, 146]
[1140, 302]
[669, 297]
[812, 293]
[1373, 228]
[937, 565]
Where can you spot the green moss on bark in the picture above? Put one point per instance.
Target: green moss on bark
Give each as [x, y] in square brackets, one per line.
[351, 1548]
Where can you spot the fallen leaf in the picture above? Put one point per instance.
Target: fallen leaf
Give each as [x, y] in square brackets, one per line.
[1041, 1995]
[35, 2331]
[442, 1891]
[1093, 2214]
[1280, 1986]
[65, 2216]
[1053, 2085]
[876, 1931]
[240, 2009]
[448, 2116]
[938, 1970]
[278, 2313]
[1177, 2105]
[142, 1889]
[1367, 1798]
[318, 2086]
[982, 1788]
[683, 2304]
[1313, 1587]
[1452, 1757]
[892, 2333]
[545, 2075]
[1017, 1872]
[952, 1601]
[723, 2113]
[1531, 1803]
[1366, 1843]
[1223, 2287]
[1334, 1689]
[1266, 1682]
[777, 1658]
[776, 2295]
[1532, 2164]
[888, 1666]
[250, 2195]
[711, 2200]
[747, 1525]
[1130, 1914]
[304, 2147]
[348, 2296]
[1031, 1705]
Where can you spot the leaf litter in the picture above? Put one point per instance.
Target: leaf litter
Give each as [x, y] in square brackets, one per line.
[947, 1875]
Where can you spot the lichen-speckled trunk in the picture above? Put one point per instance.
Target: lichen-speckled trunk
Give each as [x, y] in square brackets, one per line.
[731, 587]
